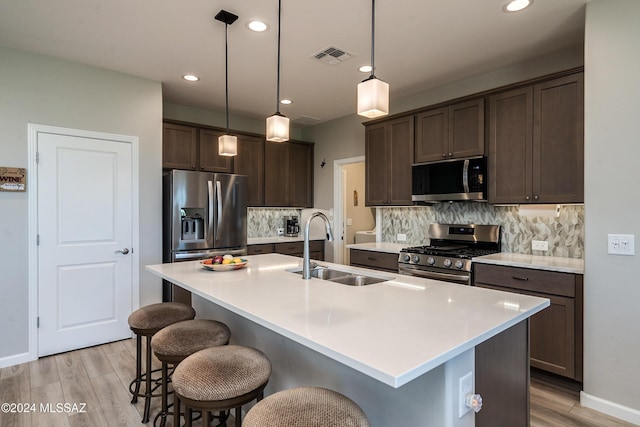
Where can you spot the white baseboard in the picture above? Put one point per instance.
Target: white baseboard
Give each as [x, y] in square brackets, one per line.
[15, 359]
[610, 408]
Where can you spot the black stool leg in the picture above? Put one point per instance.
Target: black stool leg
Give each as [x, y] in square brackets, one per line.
[176, 410]
[138, 378]
[147, 398]
[165, 391]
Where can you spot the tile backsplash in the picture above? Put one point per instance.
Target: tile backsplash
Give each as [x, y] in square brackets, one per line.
[264, 222]
[565, 233]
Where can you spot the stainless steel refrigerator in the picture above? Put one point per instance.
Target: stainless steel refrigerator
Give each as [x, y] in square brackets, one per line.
[204, 214]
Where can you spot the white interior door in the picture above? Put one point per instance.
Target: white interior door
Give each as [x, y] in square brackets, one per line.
[85, 236]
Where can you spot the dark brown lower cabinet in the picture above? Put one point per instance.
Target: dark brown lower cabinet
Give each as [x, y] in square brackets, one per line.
[316, 249]
[556, 332]
[375, 260]
[502, 378]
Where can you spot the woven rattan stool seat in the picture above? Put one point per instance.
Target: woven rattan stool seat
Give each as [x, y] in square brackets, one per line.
[306, 407]
[221, 373]
[174, 343]
[182, 339]
[149, 319]
[219, 379]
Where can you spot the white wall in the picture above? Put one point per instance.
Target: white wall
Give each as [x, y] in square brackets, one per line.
[43, 90]
[612, 205]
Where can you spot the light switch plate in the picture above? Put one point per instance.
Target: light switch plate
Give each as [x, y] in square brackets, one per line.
[402, 237]
[621, 244]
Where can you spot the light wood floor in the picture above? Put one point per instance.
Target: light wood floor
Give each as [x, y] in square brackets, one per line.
[99, 377]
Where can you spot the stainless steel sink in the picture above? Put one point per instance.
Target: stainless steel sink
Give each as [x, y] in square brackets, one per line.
[327, 273]
[343, 277]
[357, 280]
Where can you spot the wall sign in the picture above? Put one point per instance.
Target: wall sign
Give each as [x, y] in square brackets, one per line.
[13, 179]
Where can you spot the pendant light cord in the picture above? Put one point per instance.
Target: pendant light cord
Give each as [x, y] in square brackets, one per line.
[226, 69]
[373, 31]
[278, 75]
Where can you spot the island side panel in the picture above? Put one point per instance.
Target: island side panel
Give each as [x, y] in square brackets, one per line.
[502, 378]
[425, 401]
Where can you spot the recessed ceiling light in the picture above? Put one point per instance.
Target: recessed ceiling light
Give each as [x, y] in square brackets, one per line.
[516, 5]
[257, 26]
[191, 77]
[286, 101]
[365, 69]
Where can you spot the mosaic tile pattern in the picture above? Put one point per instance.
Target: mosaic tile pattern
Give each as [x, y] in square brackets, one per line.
[565, 234]
[265, 222]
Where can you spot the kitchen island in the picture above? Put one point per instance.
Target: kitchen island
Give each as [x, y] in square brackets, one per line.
[397, 347]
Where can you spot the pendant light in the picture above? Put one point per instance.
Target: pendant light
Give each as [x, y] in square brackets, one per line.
[227, 144]
[373, 94]
[277, 124]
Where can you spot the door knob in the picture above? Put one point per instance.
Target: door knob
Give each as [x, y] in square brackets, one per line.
[123, 251]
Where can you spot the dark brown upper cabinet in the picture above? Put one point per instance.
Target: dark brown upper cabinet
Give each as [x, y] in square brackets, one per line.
[389, 155]
[250, 162]
[191, 148]
[288, 175]
[450, 132]
[536, 143]
[210, 160]
[179, 147]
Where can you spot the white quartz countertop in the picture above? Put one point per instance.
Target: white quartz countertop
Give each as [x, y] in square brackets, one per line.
[393, 248]
[559, 264]
[393, 331]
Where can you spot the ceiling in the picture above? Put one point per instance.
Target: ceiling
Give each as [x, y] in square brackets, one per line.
[420, 44]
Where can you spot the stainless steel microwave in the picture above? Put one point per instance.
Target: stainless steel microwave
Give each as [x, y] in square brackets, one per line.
[452, 180]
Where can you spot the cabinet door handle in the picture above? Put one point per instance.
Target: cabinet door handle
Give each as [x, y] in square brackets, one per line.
[527, 197]
[536, 197]
[371, 258]
[520, 278]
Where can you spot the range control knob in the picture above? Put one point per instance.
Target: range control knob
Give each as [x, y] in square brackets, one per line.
[406, 258]
[416, 259]
[431, 260]
[459, 264]
[447, 263]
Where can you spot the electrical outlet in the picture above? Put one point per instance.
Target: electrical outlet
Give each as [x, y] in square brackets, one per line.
[402, 237]
[539, 245]
[280, 231]
[465, 387]
[621, 244]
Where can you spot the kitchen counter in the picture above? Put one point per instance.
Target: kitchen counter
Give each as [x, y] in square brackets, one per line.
[558, 264]
[425, 323]
[393, 248]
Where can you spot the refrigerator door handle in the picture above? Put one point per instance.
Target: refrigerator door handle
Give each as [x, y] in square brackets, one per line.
[211, 199]
[219, 204]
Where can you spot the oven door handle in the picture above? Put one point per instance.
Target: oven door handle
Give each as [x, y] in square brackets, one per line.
[433, 274]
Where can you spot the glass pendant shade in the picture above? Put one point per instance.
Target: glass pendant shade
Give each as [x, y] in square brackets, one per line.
[228, 145]
[373, 98]
[277, 128]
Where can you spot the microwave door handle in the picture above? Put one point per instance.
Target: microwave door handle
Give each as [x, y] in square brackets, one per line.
[211, 201]
[465, 176]
[219, 205]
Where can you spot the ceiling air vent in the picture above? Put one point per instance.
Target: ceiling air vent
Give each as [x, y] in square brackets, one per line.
[332, 55]
[305, 121]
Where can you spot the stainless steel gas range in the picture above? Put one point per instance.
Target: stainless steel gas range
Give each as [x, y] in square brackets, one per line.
[448, 257]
